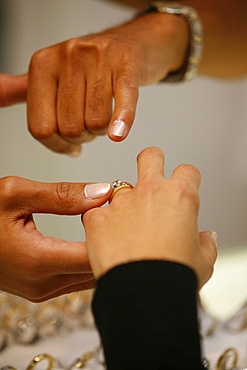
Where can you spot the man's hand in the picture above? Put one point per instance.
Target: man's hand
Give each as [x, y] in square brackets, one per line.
[89, 86]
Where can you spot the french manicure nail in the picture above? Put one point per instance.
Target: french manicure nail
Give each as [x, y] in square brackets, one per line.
[214, 237]
[119, 128]
[75, 153]
[98, 190]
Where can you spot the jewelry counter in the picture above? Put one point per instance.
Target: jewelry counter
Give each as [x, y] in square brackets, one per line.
[65, 337]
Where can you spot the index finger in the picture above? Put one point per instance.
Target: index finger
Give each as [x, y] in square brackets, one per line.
[150, 162]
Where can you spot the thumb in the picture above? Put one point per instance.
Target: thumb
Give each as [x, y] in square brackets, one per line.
[13, 89]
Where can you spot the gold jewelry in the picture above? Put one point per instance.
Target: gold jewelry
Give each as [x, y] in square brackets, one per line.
[229, 353]
[39, 358]
[118, 185]
[95, 355]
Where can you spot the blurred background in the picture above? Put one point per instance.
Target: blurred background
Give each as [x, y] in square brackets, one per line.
[202, 122]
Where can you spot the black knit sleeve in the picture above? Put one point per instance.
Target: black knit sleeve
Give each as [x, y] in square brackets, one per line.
[146, 314]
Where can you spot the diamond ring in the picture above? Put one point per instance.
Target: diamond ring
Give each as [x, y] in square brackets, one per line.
[118, 185]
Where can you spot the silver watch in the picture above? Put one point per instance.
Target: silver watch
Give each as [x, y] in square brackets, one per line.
[189, 70]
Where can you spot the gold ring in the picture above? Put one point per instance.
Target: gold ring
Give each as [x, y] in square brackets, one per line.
[39, 358]
[229, 353]
[118, 185]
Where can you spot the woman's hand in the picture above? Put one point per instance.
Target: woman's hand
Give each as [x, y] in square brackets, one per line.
[31, 265]
[157, 220]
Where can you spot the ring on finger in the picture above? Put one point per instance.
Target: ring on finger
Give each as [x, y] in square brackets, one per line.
[118, 185]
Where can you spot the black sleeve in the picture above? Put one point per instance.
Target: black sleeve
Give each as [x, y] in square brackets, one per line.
[146, 314]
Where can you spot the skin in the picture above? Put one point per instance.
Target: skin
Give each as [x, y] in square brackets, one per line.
[155, 220]
[65, 111]
[13, 89]
[31, 265]
[158, 43]
[70, 103]
[225, 35]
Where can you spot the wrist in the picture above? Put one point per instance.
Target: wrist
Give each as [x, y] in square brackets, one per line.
[188, 70]
[165, 41]
[179, 42]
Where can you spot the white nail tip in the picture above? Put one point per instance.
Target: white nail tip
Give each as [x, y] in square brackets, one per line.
[119, 128]
[98, 190]
[214, 237]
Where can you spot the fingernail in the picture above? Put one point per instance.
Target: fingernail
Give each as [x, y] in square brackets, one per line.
[214, 237]
[94, 191]
[119, 128]
[75, 153]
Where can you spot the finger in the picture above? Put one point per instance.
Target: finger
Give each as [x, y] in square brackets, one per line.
[119, 192]
[126, 92]
[13, 89]
[188, 173]
[208, 245]
[57, 198]
[208, 242]
[70, 104]
[42, 106]
[150, 162]
[61, 257]
[98, 100]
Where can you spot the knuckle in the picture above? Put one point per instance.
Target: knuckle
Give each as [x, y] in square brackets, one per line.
[150, 185]
[81, 47]
[40, 59]
[9, 186]
[96, 125]
[94, 218]
[71, 129]
[149, 189]
[186, 193]
[128, 79]
[40, 131]
[65, 194]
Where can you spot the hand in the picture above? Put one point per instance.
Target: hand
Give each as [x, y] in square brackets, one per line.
[31, 265]
[13, 89]
[155, 220]
[72, 84]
